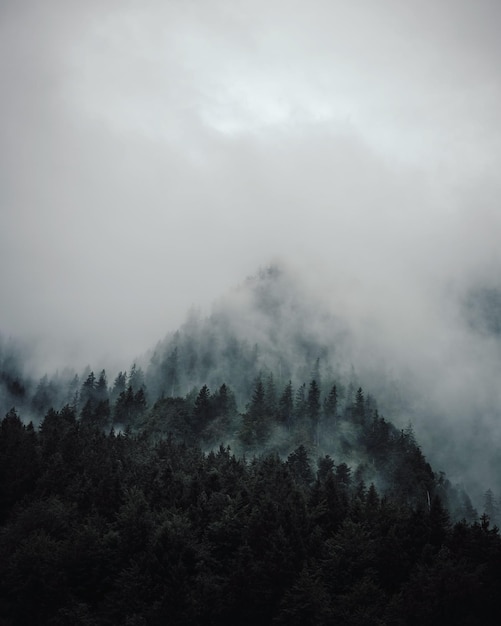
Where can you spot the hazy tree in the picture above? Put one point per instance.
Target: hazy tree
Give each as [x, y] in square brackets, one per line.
[325, 468]
[256, 422]
[299, 465]
[119, 385]
[330, 405]
[358, 411]
[224, 404]
[171, 372]
[73, 395]
[102, 387]
[136, 378]
[203, 409]
[491, 508]
[123, 411]
[45, 396]
[270, 396]
[314, 409]
[300, 405]
[224, 401]
[315, 373]
[286, 406]
[88, 391]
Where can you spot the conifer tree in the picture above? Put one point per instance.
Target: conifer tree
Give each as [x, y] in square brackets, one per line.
[202, 411]
[491, 507]
[102, 387]
[270, 396]
[314, 409]
[256, 423]
[358, 411]
[286, 406]
[136, 378]
[300, 402]
[119, 385]
[330, 405]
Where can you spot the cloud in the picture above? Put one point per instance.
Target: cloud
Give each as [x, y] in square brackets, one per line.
[153, 154]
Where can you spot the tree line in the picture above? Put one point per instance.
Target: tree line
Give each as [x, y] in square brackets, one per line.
[102, 528]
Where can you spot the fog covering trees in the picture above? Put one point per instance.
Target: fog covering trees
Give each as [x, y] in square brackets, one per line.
[242, 473]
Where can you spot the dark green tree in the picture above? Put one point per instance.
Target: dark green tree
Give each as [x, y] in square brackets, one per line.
[358, 411]
[313, 404]
[298, 463]
[286, 406]
[203, 410]
[270, 396]
[119, 385]
[256, 423]
[330, 405]
[300, 405]
[491, 508]
[136, 378]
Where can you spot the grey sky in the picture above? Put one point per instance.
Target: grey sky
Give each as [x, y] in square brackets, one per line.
[153, 154]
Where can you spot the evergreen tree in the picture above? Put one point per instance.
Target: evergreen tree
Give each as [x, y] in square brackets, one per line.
[119, 386]
[314, 409]
[73, 394]
[286, 406]
[202, 410]
[358, 411]
[270, 396]
[123, 411]
[171, 368]
[325, 468]
[102, 387]
[136, 378]
[88, 391]
[44, 396]
[300, 403]
[491, 508]
[299, 465]
[315, 373]
[256, 422]
[224, 404]
[331, 407]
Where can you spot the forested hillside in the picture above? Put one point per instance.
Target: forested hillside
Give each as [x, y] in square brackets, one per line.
[242, 474]
[107, 528]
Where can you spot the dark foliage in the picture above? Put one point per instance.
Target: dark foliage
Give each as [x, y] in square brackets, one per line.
[142, 527]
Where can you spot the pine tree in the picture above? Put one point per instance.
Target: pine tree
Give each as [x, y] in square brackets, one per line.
[119, 385]
[286, 406]
[256, 422]
[300, 403]
[202, 410]
[101, 389]
[299, 465]
[358, 411]
[172, 373]
[270, 396]
[491, 508]
[88, 391]
[136, 378]
[330, 403]
[314, 409]
[224, 402]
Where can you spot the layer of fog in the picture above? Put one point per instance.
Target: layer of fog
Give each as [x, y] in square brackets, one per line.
[153, 154]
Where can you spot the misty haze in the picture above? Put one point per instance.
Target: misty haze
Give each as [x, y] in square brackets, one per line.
[250, 326]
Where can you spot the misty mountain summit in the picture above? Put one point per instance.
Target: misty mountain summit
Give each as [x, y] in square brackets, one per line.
[246, 472]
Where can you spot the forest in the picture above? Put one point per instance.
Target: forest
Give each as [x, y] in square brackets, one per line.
[231, 481]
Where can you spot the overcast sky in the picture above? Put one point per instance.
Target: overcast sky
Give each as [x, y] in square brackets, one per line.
[154, 153]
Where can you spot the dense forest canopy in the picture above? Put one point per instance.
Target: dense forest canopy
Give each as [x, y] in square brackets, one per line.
[241, 474]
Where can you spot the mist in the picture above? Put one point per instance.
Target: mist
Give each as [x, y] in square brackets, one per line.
[153, 155]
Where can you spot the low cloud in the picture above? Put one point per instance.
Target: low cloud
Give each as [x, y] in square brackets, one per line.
[153, 155]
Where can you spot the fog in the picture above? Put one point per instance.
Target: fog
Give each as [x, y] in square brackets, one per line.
[154, 154]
